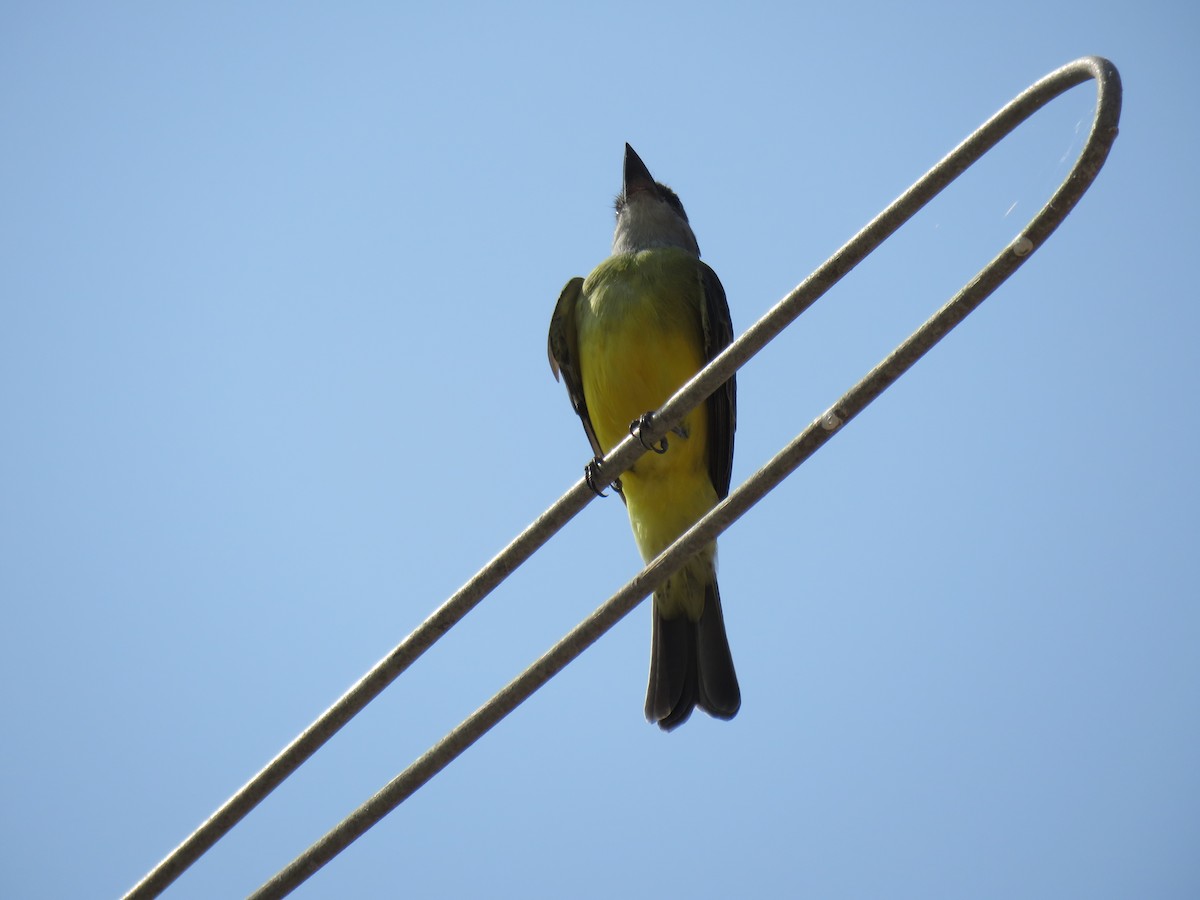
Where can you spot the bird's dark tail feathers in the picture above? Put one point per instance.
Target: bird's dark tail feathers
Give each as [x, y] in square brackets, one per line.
[690, 666]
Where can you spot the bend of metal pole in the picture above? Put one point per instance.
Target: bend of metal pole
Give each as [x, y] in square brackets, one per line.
[812, 438]
[1103, 133]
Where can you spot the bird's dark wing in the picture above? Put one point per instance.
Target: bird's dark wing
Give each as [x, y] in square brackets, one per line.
[562, 347]
[722, 404]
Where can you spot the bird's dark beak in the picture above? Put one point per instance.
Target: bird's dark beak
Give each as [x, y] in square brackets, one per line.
[637, 176]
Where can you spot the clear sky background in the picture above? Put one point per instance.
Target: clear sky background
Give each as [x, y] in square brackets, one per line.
[275, 281]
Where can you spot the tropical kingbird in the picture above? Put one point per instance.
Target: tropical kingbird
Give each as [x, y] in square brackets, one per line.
[625, 339]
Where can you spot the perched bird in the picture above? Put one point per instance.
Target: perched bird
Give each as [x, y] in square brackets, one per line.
[624, 340]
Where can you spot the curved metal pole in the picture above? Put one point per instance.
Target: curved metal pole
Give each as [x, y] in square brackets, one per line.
[627, 452]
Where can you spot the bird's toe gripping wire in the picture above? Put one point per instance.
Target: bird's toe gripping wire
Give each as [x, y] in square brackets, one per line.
[591, 474]
[638, 425]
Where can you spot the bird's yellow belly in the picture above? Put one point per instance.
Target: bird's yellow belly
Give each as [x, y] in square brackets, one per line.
[630, 366]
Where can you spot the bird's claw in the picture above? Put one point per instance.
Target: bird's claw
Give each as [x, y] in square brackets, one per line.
[591, 474]
[638, 425]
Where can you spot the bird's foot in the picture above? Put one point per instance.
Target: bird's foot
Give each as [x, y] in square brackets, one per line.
[591, 474]
[637, 426]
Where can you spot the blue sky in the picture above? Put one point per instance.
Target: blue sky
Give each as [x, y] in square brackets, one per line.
[275, 284]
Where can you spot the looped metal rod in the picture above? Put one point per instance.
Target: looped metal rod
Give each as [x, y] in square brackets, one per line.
[1092, 157]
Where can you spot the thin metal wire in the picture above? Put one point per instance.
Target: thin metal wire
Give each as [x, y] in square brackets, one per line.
[1104, 130]
[1095, 151]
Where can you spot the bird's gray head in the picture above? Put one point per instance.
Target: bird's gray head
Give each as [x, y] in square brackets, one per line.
[649, 214]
